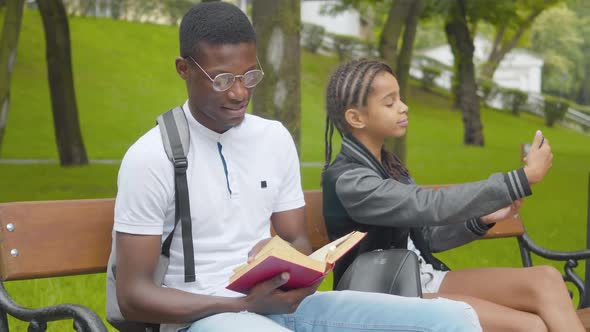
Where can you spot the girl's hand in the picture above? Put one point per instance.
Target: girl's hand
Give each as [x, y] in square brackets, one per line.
[538, 160]
[509, 211]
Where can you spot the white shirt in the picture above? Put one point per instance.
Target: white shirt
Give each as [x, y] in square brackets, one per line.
[230, 211]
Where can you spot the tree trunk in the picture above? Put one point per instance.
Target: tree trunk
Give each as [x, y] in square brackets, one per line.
[584, 93]
[392, 30]
[61, 83]
[500, 50]
[464, 78]
[278, 96]
[8, 46]
[398, 146]
[489, 67]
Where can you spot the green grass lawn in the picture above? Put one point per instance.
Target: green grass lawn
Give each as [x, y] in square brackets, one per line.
[125, 77]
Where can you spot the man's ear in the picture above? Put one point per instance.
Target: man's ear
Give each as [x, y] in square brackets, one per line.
[182, 68]
[354, 118]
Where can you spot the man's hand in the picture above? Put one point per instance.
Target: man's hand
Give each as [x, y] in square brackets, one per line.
[538, 160]
[509, 211]
[265, 298]
[256, 249]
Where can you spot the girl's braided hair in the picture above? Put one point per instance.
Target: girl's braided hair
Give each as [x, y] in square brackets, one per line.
[349, 87]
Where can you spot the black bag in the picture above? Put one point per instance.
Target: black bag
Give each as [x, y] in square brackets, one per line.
[175, 137]
[392, 271]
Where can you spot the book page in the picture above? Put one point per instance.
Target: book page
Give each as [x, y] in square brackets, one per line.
[278, 255]
[293, 256]
[321, 253]
[282, 249]
[343, 247]
[275, 242]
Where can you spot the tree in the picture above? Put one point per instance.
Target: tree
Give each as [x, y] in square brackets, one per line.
[516, 18]
[582, 89]
[403, 60]
[8, 47]
[464, 84]
[61, 83]
[556, 37]
[392, 30]
[462, 18]
[277, 24]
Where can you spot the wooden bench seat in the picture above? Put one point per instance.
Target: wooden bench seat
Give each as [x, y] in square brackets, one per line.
[72, 237]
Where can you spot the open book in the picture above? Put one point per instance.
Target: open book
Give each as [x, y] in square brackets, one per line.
[279, 256]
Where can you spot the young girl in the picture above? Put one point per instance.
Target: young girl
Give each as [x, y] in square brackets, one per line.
[367, 188]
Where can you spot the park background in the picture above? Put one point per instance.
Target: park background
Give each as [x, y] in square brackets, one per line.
[124, 76]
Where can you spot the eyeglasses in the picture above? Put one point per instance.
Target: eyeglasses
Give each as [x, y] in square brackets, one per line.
[224, 81]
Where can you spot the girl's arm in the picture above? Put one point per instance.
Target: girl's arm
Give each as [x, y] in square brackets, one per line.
[369, 199]
[442, 238]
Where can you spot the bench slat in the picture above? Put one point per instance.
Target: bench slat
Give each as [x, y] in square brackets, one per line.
[55, 238]
[317, 233]
[314, 218]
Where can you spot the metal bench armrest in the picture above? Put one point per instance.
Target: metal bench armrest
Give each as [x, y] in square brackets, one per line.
[85, 320]
[571, 258]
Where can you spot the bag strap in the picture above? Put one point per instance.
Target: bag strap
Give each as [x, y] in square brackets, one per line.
[175, 136]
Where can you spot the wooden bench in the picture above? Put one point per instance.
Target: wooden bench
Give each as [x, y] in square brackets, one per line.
[72, 237]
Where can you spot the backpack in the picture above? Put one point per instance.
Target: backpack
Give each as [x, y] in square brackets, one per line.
[175, 137]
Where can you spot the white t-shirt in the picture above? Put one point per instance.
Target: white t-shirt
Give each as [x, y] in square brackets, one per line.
[230, 204]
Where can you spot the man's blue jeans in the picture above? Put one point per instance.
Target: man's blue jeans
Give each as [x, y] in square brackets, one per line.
[353, 311]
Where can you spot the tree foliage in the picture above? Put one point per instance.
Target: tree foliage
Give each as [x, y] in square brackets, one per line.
[581, 88]
[169, 11]
[509, 17]
[517, 18]
[556, 37]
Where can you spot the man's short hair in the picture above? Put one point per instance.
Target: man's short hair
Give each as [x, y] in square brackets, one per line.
[213, 23]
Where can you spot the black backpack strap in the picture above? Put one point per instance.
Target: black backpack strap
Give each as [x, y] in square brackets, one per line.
[175, 136]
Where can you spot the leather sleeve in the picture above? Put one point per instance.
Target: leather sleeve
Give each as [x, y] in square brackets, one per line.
[370, 199]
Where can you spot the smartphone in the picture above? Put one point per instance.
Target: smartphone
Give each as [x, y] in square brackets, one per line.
[526, 147]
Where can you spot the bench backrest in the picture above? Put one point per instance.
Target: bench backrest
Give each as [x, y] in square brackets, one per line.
[316, 227]
[54, 238]
[70, 237]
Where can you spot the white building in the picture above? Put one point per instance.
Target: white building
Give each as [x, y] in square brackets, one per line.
[345, 23]
[520, 69]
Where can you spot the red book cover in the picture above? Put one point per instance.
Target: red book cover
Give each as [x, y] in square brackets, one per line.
[300, 276]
